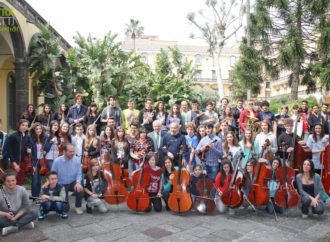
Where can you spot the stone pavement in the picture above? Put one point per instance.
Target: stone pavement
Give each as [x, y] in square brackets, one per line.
[121, 224]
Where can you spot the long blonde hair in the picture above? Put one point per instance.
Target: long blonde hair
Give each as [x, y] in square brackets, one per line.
[91, 140]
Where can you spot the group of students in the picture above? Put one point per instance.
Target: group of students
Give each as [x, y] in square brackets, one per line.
[153, 137]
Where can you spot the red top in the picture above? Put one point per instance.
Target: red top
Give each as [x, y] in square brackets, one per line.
[225, 186]
[244, 118]
[155, 179]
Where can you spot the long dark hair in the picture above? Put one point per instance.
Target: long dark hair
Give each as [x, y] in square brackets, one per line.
[26, 113]
[51, 134]
[34, 136]
[222, 171]
[312, 171]
[165, 172]
[314, 133]
[89, 111]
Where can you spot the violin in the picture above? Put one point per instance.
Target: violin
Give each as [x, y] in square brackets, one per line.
[179, 200]
[286, 195]
[60, 145]
[138, 199]
[27, 164]
[115, 192]
[201, 155]
[86, 162]
[259, 191]
[233, 197]
[43, 171]
[204, 203]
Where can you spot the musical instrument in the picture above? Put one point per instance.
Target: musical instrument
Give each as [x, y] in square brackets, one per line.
[201, 155]
[286, 195]
[26, 164]
[259, 191]
[115, 192]
[124, 177]
[10, 210]
[86, 162]
[138, 199]
[60, 145]
[179, 200]
[204, 203]
[233, 197]
[267, 153]
[325, 172]
[43, 171]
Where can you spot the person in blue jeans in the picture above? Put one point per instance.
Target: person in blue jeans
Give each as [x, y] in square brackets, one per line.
[53, 198]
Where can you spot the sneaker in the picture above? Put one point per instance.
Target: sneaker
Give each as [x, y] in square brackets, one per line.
[79, 211]
[89, 209]
[9, 230]
[30, 225]
[41, 216]
[304, 215]
[64, 215]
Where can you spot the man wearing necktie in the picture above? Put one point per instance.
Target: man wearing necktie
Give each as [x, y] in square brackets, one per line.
[156, 137]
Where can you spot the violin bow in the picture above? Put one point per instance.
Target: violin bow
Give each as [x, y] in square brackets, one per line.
[275, 214]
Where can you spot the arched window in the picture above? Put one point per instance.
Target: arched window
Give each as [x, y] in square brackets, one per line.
[11, 97]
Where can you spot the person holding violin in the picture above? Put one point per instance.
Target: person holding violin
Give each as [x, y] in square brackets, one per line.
[247, 147]
[273, 186]
[45, 117]
[62, 114]
[19, 150]
[92, 117]
[211, 146]
[310, 189]
[222, 182]
[155, 186]
[143, 145]
[317, 142]
[265, 135]
[167, 176]
[30, 114]
[52, 198]
[94, 186]
[39, 149]
[53, 141]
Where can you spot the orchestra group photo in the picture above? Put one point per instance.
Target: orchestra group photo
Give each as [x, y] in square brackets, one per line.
[215, 158]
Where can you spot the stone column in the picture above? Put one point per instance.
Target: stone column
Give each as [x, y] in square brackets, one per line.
[22, 87]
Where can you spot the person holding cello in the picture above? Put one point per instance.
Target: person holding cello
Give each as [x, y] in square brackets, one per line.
[155, 186]
[94, 186]
[247, 180]
[194, 178]
[287, 139]
[317, 142]
[273, 186]
[221, 184]
[263, 136]
[311, 189]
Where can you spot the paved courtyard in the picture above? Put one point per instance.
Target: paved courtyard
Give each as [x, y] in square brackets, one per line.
[120, 224]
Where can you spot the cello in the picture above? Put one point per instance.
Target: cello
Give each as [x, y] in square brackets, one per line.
[204, 203]
[233, 197]
[179, 200]
[286, 196]
[138, 199]
[259, 191]
[115, 192]
[125, 175]
[325, 172]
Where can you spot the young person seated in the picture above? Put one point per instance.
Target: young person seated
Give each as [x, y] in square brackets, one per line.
[15, 211]
[53, 198]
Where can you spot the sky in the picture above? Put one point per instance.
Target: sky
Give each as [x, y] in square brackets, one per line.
[163, 18]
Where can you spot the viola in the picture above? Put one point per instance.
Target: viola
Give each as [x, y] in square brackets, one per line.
[325, 173]
[233, 197]
[138, 199]
[286, 195]
[115, 192]
[179, 200]
[204, 203]
[259, 191]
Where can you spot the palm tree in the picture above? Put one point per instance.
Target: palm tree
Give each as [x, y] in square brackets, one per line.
[133, 30]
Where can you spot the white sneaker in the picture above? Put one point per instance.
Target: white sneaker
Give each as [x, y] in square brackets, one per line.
[79, 211]
[30, 225]
[304, 215]
[9, 230]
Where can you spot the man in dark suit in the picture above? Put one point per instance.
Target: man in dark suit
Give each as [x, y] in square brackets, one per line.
[156, 136]
[77, 112]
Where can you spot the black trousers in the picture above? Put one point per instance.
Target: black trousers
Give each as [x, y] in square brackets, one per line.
[155, 202]
[79, 195]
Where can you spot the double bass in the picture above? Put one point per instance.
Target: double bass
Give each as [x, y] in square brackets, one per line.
[259, 191]
[179, 200]
[286, 196]
[233, 197]
[138, 199]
